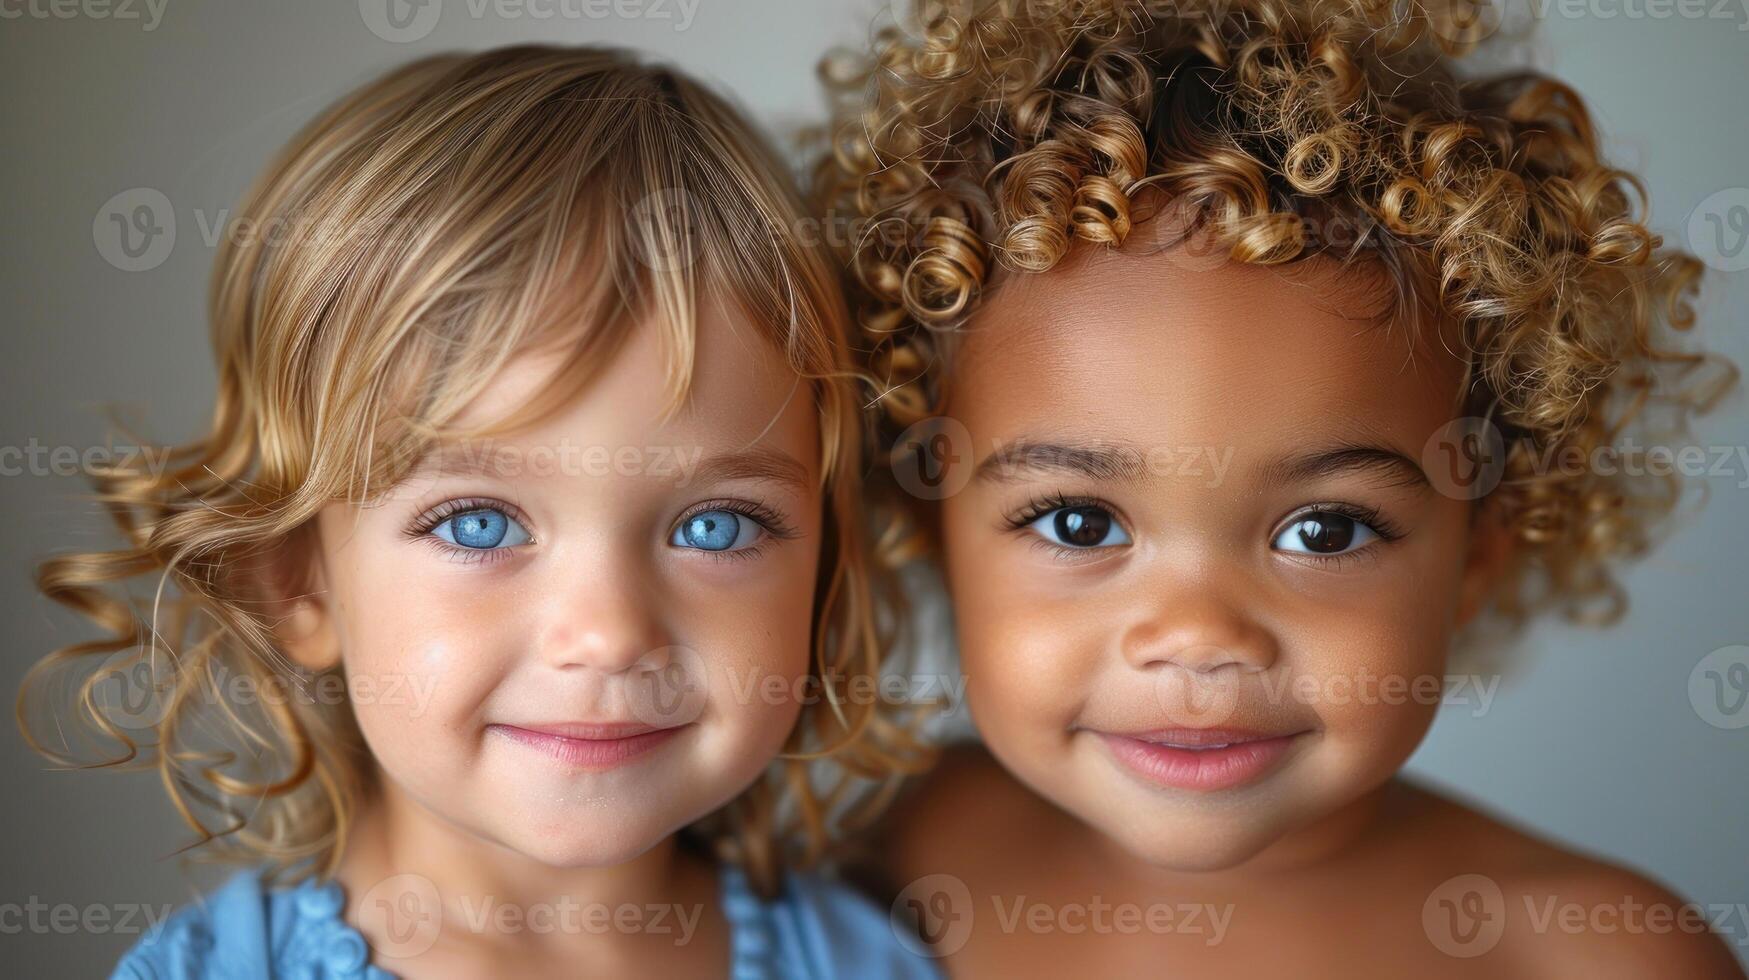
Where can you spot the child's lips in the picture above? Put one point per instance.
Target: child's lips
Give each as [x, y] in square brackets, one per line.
[1200, 759]
[591, 746]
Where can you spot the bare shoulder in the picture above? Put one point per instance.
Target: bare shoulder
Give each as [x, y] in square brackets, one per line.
[968, 818]
[1562, 910]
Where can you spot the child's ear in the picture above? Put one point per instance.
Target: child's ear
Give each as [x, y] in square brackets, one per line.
[1490, 551]
[295, 602]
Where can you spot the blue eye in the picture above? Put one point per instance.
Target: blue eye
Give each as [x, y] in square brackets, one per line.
[1080, 527]
[1322, 532]
[716, 530]
[481, 529]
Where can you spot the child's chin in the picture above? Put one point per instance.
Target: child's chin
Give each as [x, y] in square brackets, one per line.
[594, 842]
[1195, 845]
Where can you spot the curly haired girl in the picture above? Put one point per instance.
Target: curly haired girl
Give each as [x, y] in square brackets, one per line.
[529, 510]
[1235, 340]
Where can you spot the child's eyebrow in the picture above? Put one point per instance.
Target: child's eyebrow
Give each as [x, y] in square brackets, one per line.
[487, 459]
[759, 463]
[1124, 461]
[1382, 461]
[1102, 461]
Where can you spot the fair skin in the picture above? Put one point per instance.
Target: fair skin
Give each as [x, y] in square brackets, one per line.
[1195, 527]
[543, 607]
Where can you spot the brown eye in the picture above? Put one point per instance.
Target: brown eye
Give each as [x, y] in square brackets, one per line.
[1084, 526]
[1323, 532]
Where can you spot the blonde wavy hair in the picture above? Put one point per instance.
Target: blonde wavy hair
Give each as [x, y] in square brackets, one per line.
[993, 136]
[414, 238]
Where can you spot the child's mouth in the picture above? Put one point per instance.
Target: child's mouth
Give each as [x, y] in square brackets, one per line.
[591, 746]
[1201, 759]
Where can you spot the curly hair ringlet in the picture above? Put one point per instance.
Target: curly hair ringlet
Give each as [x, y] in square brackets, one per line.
[997, 135]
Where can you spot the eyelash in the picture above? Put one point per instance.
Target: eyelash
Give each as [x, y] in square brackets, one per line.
[1370, 516]
[762, 514]
[1386, 530]
[1040, 506]
[427, 522]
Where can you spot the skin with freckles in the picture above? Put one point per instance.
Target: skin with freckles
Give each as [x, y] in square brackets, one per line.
[544, 608]
[1205, 592]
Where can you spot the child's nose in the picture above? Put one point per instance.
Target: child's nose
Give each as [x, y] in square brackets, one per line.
[605, 628]
[1200, 633]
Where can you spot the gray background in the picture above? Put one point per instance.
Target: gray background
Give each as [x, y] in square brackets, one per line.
[1593, 738]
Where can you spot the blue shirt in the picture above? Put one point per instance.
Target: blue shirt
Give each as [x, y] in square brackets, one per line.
[815, 929]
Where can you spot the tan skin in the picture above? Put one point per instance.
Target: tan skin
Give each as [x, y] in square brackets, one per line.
[1096, 600]
[553, 624]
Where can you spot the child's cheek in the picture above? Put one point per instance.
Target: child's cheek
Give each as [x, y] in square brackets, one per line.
[1373, 667]
[754, 642]
[1030, 663]
[421, 656]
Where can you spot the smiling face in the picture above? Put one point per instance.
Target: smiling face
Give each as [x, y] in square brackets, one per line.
[1201, 582]
[575, 611]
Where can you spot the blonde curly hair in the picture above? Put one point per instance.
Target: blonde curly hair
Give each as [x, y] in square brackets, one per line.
[415, 237]
[997, 134]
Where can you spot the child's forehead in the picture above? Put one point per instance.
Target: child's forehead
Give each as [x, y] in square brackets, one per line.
[713, 375]
[1168, 299]
[1176, 352]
